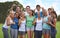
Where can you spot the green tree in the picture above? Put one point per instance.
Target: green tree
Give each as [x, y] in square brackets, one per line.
[4, 7]
[58, 18]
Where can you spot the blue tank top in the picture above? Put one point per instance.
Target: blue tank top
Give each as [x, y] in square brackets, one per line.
[15, 26]
[45, 25]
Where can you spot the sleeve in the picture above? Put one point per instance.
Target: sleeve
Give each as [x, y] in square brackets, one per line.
[41, 14]
[36, 15]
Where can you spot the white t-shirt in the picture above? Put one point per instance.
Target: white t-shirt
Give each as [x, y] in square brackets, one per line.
[5, 24]
[38, 25]
[22, 26]
[26, 14]
[37, 11]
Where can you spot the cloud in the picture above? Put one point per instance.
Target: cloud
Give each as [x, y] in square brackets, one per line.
[56, 6]
[39, 2]
[46, 4]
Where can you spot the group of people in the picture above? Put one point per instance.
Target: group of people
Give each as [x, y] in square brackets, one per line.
[30, 22]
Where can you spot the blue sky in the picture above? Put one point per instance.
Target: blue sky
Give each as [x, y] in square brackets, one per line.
[43, 3]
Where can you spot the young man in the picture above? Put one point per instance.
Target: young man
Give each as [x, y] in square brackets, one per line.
[37, 10]
[27, 10]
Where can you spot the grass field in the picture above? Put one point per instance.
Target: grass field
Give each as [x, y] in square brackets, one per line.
[57, 26]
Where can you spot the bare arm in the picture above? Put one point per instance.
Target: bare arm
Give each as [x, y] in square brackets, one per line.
[19, 22]
[34, 22]
[49, 20]
[54, 23]
[43, 10]
[8, 21]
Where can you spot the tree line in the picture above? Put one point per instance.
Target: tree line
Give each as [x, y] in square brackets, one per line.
[5, 6]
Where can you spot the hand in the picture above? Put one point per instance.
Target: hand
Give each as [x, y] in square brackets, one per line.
[42, 7]
[48, 22]
[13, 22]
[35, 9]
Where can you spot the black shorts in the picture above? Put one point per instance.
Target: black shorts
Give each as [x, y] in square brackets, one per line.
[22, 33]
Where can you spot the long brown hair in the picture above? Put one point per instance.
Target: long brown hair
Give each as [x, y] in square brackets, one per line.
[54, 12]
[32, 12]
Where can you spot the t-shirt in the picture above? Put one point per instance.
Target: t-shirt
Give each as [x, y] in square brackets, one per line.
[45, 25]
[39, 25]
[22, 26]
[26, 14]
[15, 26]
[29, 21]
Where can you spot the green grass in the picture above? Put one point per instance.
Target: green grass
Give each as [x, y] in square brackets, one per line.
[58, 30]
[57, 26]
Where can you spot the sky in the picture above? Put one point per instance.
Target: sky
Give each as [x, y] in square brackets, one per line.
[43, 3]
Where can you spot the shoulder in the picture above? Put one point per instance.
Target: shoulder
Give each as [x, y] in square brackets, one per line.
[20, 20]
[8, 18]
[27, 15]
[34, 16]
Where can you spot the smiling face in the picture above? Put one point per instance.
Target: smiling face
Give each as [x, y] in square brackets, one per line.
[11, 14]
[28, 9]
[38, 7]
[18, 9]
[23, 14]
[31, 12]
[53, 14]
[45, 13]
[16, 14]
[50, 10]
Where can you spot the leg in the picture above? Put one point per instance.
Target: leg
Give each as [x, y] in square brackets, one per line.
[53, 33]
[31, 34]
[40, 34]
[36, 34]
[12, 33]
[46, 33]
[28, 33]
[32, 29]
[16, 33]
[23, 36]
[5, 33]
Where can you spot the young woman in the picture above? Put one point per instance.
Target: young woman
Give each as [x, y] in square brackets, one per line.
[46, 26]
[14, 27]
[38, 29]
[8, 22]
[18, 9]
[53, 24]
[22, 25]
[29, 24]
